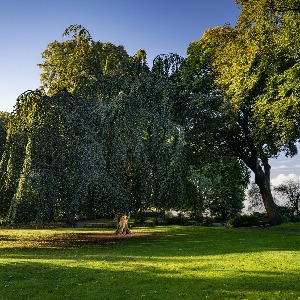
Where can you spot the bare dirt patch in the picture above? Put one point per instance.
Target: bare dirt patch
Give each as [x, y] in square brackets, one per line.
[73, 239]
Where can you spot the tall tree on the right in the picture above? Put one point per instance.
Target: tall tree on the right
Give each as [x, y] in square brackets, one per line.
[245, 83]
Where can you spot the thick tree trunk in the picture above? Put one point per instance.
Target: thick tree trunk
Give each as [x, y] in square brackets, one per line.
[122, 225]
[262, 179]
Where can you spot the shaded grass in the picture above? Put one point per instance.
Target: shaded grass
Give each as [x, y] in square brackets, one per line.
[171, 263]
[290, 226]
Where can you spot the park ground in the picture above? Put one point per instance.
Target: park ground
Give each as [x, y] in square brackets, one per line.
[170, 262]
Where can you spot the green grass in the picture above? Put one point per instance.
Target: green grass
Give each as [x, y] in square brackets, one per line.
[172, 263]
[101, 223]
[290, 226]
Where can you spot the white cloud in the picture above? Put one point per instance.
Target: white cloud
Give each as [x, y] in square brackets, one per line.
[282, 178]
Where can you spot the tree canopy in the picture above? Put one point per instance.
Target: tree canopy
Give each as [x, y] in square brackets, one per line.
[244, 82]
[92, 69]
[108, 134]
[80, 146]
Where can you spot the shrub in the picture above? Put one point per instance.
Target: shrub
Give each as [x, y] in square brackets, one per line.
[247, 220]
[179, 220]
[208, 221]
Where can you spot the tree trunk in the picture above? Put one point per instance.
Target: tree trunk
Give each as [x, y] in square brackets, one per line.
[122, 225]
[262, 179]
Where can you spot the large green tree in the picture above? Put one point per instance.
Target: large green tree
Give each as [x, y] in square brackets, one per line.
[98, 138]
[244, 82]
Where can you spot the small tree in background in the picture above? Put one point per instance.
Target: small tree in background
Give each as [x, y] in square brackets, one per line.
[290, 190]
[253, 197]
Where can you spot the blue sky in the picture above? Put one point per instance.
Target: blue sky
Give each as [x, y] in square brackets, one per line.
[158, 26]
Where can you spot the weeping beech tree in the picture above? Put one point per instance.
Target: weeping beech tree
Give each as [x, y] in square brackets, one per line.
[78, 157]
[99, 138]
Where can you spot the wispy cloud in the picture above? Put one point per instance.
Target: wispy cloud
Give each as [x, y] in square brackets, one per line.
[286, 166]
[280, 167]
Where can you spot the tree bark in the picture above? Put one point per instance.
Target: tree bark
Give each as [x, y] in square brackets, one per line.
[262, 179]
[122, 225]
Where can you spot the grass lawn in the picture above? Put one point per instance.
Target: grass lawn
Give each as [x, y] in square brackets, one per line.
[169, 263]
[290, 226]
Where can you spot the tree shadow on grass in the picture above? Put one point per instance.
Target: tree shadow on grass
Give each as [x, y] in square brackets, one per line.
[175, 264]
[42, 280]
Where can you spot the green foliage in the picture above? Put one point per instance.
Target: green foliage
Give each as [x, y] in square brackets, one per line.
[107, 134]
[49, 170]
[176, 220]
[93, 69]
[290, 190]
[254, 197]
[248, 220]
[288, 214]
[256, 66]
[4, 119]
[252, 105]
[220, 188]
[100, 137]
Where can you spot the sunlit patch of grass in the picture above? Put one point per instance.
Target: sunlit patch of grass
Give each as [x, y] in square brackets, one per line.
[172, 263]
